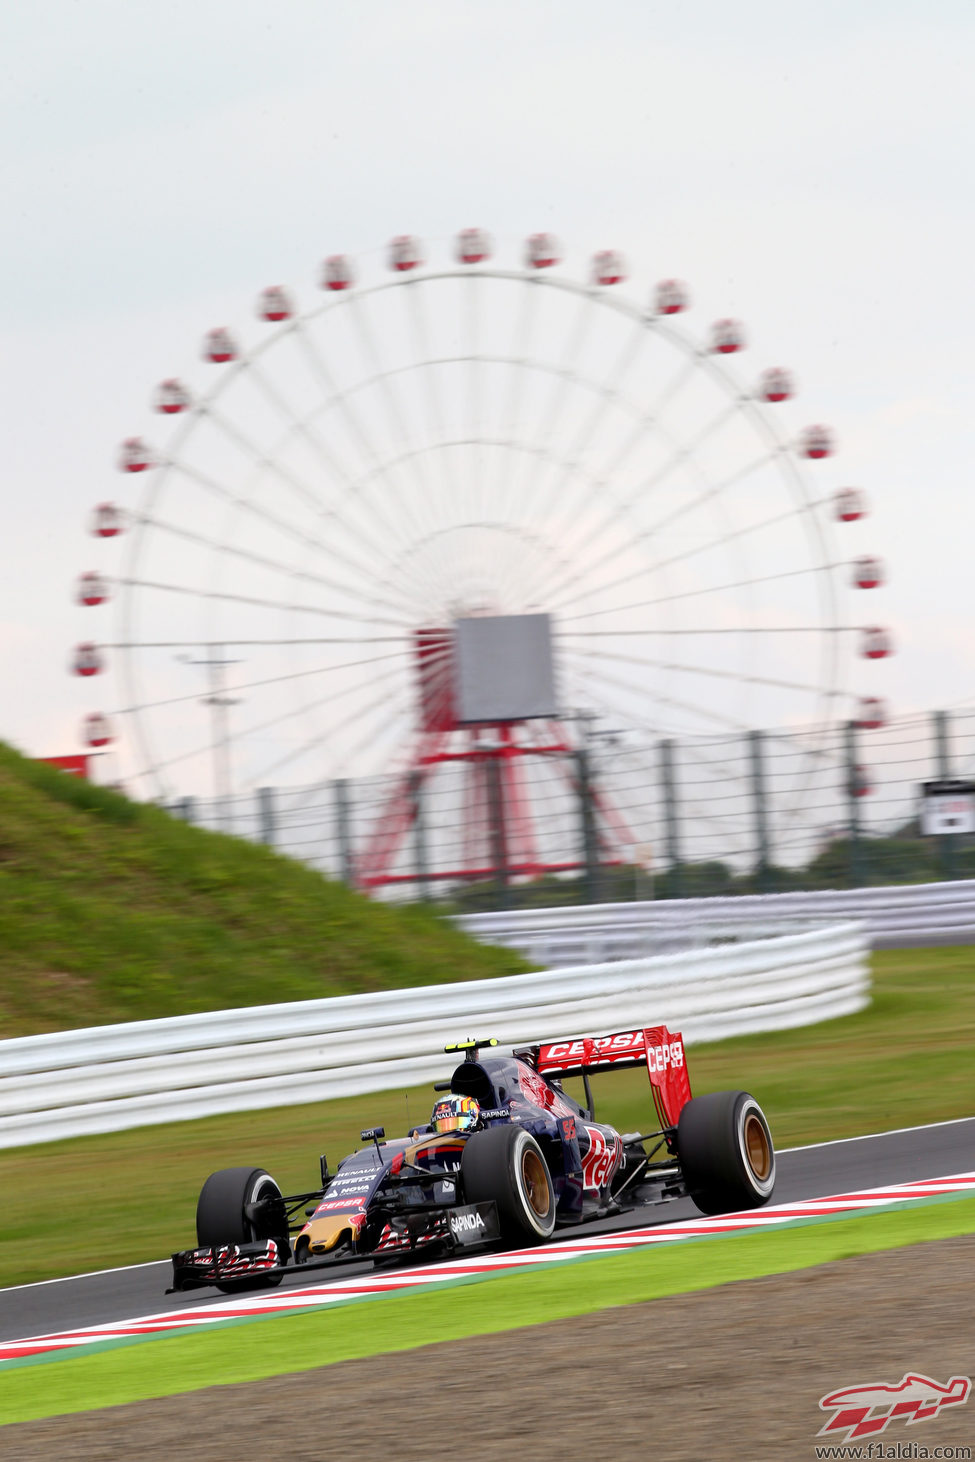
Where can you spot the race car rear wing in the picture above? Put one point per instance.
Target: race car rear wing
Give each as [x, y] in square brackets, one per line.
[655, 1046]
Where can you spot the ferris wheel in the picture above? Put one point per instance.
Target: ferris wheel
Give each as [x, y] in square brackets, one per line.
[340, 492]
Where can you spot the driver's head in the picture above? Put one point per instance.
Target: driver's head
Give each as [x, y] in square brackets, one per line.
[456, 1114]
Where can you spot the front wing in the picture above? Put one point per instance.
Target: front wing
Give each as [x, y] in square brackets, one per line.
[457, 1226]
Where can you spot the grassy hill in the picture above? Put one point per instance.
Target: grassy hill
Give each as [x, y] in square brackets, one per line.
[112, 910]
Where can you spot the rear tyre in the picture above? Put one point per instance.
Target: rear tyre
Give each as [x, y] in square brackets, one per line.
[726, 1152]
[225, 1215]
[506, 1164]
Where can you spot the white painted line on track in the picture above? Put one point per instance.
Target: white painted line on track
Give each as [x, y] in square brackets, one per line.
[868, 1136]
[90, 1274]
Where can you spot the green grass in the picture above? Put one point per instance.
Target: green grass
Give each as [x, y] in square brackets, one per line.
[250, 1350]
[112, 910]
[131, 1196]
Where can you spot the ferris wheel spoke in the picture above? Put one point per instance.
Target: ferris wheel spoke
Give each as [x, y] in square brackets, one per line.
[693, 593]
[383, 378]
[435, 407]
[271, 463]
[728, 535]
[342, 402]
[685, 455]
[566, 375]
[253, 600]
[257, 728]
[297, 423]
[681, 378]
[647, 419]
[220, 490]
[176, 700]
[706, 671]
[353, 591]
[509, 423]
[372, 708]
[589, 671]
[473, 384]
[712, 492]
[608, 395]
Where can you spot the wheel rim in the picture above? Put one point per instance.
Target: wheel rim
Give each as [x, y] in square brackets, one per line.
[758, 1147]
[535, 1181]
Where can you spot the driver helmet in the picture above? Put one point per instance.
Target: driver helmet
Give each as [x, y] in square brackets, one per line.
[456, 1114]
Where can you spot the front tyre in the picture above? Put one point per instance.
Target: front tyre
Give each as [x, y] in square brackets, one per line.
[506, 1164]
[726, 1152]
[233, 1208]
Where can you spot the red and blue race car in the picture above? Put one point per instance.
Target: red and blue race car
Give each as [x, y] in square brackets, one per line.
[508, 1156]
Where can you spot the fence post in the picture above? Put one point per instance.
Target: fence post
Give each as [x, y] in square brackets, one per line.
[853, 805]
[587, 828]
[186, 808]
[265, 813]
[946, 842]
[669, 787]
[496, 823]
[420, 835]
[759, 803]
[341, 794]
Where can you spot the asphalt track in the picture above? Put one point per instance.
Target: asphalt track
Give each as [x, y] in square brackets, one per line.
[806, 1172]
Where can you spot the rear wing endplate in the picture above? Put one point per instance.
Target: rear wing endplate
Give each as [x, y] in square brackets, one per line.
[657, 1048]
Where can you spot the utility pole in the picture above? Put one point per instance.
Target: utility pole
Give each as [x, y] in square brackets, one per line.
[220, 703]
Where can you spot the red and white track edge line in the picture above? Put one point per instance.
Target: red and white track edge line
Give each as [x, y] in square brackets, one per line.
[313, 1296]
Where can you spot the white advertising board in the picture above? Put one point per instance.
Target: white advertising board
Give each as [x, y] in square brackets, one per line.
[947, 806]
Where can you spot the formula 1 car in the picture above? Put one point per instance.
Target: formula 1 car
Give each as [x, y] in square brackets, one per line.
[508, 1156]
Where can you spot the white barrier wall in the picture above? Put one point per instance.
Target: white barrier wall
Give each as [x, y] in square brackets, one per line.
[112, 1077]
[899, 917]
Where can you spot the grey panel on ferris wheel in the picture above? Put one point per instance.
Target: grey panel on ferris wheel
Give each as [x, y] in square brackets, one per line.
[503, 668]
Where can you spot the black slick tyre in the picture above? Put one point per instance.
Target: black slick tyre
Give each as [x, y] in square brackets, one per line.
[726, 1152]
[224, 1215]
[506, 1164]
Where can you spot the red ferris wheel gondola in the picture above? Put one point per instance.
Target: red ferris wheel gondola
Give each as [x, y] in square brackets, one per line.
[134, 455]
[405, 253]
[171, 397]
[542, 251]
[87, 659]
[219, 346]
[876, 643]
[107, 521]
[96, 730]
[473, 246]
[275, 304]
[871, 713]
[608, 267]
[817, 442]
[672, 297]
[727, 337]
[776, 385]
[849, 504]
[868, 573]
[93, 589]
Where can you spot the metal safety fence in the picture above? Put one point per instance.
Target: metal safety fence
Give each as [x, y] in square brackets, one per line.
[631, 817]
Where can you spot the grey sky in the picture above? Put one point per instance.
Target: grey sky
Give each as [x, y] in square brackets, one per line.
[805, 167]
